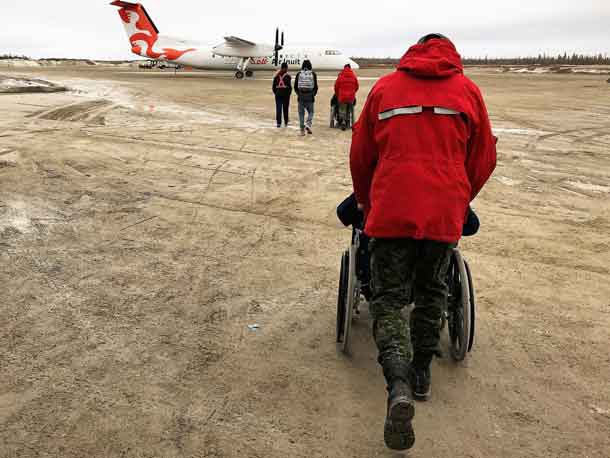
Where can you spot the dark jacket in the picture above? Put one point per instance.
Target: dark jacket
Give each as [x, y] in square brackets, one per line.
[423, 147]
[306, 96]
[282, 90]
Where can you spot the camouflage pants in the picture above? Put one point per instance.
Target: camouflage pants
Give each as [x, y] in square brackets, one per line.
[402, 269]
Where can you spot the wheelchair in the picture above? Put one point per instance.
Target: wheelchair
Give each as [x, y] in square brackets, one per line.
[458, 319]
[341, 114]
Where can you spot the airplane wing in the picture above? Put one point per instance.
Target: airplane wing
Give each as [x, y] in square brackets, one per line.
[238, 47]
[238, 42]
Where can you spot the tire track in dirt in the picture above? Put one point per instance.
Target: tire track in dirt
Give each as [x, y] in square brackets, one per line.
[198, 148]
[288, 219]
[572, 131]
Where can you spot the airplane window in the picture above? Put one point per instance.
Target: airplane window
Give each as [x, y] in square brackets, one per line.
[331, 52]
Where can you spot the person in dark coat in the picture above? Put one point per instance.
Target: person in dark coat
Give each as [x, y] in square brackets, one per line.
[282, 88]
[306, 87]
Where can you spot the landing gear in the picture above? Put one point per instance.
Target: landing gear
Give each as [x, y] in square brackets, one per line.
[241, 69]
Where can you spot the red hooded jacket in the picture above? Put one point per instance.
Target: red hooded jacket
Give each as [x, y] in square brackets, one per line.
[423, 147]
[346, 86]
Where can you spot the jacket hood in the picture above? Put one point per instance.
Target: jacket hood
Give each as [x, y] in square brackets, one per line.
[348, 73]
[433, 59]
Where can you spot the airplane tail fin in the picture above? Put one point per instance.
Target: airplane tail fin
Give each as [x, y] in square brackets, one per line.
[141, 30]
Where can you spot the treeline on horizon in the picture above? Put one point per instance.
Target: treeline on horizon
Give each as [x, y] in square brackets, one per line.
[541, 59]
[64, 59]
[13, 57]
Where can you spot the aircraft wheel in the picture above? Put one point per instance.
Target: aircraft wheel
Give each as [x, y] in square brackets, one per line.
[239, 74]
[249, 73]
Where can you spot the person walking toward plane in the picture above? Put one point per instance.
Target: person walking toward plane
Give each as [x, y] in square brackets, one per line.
[306, 87]
[282, 88]
[421, 152]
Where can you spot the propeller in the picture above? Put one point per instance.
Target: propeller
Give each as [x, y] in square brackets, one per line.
[278, 46]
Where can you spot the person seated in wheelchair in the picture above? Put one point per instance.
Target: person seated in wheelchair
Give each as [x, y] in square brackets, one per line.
[350, 215]
[346, 87]
[421, 151]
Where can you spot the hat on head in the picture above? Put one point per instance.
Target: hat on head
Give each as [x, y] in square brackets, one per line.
[432, 36]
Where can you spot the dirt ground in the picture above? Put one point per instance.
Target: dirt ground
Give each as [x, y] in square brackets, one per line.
[147, 219]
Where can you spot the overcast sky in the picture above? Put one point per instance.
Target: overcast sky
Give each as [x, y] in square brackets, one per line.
[92, 28]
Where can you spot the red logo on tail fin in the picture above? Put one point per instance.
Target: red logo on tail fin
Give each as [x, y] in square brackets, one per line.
[141, 29]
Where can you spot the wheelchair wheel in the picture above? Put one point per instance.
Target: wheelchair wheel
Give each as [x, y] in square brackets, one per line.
[472, 306]
[352, 297]
[342, 295]
[350, 117]
[459, 308]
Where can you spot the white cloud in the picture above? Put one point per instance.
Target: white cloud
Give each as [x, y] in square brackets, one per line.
[383, 27]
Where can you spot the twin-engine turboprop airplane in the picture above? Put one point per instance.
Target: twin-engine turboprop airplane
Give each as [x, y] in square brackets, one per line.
[235, 54]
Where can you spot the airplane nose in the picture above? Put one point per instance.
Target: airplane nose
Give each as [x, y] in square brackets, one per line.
[354, 65]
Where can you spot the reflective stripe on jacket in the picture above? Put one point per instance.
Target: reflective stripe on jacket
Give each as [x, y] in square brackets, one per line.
[423, 147]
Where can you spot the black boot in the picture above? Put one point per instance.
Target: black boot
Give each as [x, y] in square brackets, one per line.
[421, 382]
[398, 431]
[420, 377]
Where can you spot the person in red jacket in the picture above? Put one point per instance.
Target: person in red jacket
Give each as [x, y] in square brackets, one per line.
[421, 151]
[346, 88]
[346, 85]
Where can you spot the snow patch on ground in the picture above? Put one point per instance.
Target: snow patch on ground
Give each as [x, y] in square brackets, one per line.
[15, 215]
[589, 186]
[530, 70]
[12, 82]
[10, 63]
[16, 85]
[507, 181]
[100, 89]
[24, 217]
[591, 71]
[502, 130]
[123, 96]
[563, 69]
[216, 117]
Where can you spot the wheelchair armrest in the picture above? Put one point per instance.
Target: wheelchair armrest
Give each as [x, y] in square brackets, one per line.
[472, 224]
[349, 214]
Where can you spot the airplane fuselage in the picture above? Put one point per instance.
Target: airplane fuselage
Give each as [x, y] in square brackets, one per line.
[234, 54]
[206, 59]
